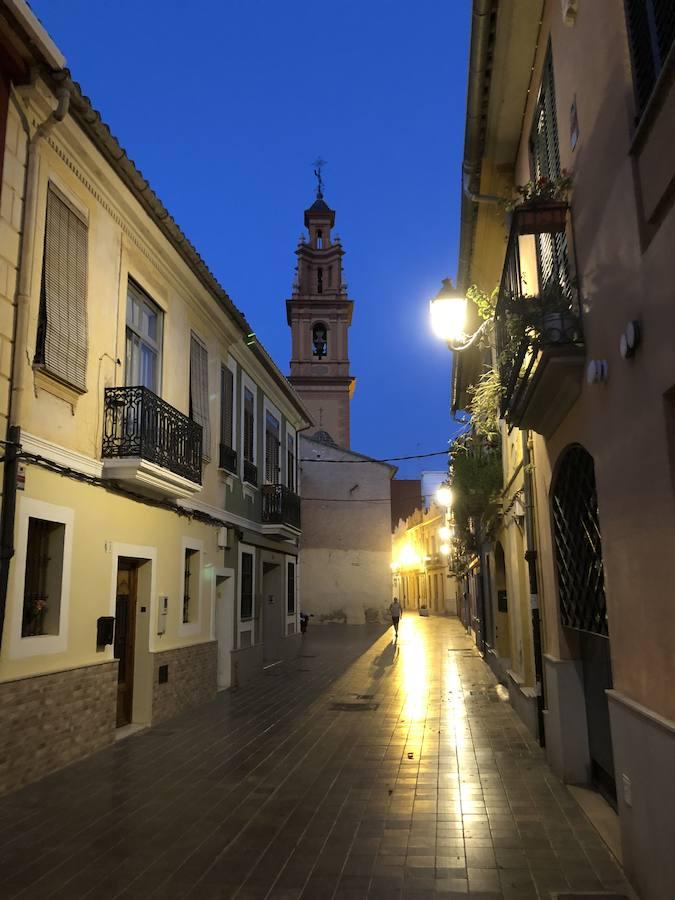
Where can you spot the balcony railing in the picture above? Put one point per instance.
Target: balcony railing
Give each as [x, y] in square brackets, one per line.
[280, 506]
[535, 327]
[139, 424]
[228, 459]
[250, 472]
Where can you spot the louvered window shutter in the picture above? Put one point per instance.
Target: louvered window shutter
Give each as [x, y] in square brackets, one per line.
[62, 333]
[226, 410]
[545, 163]
[651, 32]
[199, 392]
[249, 423]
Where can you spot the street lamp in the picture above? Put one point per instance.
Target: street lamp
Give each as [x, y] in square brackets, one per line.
[448, 318]
[444, 496]
[444, 533]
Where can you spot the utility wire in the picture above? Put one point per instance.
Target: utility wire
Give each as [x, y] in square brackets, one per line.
[387, 459]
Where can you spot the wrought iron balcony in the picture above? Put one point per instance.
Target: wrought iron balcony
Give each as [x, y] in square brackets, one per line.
[228, 459]
[250, 472]
[280, 506]
[139, 428]
[540, 346]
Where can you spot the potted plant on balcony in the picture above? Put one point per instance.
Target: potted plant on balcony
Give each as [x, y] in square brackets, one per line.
[541, 204]
[548, 315]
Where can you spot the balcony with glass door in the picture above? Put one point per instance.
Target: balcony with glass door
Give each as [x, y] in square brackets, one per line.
[540, 346]
[148, 445]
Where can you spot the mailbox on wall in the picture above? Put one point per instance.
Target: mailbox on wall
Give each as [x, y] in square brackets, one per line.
[105, 630]
[162, 613]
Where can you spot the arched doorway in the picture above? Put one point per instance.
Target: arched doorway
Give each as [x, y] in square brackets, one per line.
[581, 590]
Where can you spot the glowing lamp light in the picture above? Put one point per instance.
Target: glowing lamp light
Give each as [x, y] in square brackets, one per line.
[448, 313]
[408, 556]
[444, 533]
[445, 549]
[444, 496]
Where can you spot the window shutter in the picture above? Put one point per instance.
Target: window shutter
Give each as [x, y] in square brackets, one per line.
[249, 421]
[62, 335]
[651, 32]
[545, 163]
[226, 410]
[199, 392]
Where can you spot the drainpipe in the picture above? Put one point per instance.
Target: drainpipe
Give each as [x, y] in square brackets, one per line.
[20, 338]
[531, 559]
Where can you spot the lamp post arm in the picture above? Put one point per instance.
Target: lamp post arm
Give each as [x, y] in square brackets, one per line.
[475, 337]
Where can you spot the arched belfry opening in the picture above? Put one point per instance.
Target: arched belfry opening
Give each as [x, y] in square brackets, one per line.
[319, 340]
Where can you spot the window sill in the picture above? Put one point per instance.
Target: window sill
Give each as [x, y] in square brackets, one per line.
[44, 380]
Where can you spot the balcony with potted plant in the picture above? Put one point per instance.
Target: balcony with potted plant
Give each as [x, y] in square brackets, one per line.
[540, 347]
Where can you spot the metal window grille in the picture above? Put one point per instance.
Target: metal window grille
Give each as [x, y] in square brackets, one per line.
[552, 251]
[291, 589]
[246, 604]
[651, 33]
[578, 545]
[189, 556]
[62, 341]
[199, 391]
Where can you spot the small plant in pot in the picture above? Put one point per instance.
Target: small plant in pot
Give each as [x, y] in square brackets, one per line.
[541, 204]
[548, 314]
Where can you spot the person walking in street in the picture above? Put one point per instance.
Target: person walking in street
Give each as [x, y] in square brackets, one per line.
[395, 612]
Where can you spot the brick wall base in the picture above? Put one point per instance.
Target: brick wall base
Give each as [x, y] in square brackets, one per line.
[49, 721]
[191, 674]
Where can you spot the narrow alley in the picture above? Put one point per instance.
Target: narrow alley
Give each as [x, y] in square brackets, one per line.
[362, 769]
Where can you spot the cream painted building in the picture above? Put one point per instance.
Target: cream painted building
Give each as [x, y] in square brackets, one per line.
[420, 571]
[150, 516]
[586, 87]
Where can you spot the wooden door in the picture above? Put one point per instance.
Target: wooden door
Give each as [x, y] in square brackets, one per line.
[125, 630]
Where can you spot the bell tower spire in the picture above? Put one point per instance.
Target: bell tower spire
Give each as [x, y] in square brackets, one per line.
[319, 313]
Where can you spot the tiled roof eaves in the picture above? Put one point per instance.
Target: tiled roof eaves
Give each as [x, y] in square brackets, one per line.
[89, 119]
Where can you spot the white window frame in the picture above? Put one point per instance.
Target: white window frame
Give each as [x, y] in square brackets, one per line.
[230, 364]
[188, 629]
[43, 644]
[246, 624]
[269, 407]
[248, 382]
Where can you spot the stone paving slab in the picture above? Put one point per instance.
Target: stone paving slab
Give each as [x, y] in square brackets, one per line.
[364, 769]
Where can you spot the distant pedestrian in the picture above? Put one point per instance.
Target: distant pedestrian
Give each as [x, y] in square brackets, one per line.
[395, 612]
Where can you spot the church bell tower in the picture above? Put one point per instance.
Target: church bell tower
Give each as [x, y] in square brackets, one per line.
[320, 313]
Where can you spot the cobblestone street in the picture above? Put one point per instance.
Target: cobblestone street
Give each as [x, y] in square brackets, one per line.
[362, 769]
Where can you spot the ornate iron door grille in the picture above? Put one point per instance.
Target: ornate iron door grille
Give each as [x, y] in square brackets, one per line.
[138, 423]
[578, 545]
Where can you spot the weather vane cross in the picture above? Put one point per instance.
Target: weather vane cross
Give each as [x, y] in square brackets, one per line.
[318, 166]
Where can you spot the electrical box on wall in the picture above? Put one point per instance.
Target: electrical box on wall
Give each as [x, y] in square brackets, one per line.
[162, 612]
[225, 538]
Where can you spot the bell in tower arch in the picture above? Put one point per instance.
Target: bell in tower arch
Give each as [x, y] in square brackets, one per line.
[319, 340]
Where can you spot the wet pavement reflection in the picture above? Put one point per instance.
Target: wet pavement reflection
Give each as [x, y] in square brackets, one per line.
[366, 768]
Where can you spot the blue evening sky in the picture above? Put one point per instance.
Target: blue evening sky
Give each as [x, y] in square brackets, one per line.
[224, 106]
